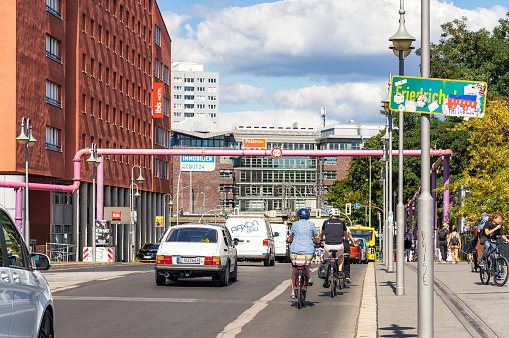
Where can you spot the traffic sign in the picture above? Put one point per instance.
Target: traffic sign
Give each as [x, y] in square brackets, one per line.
[324, 210]
[276, 152]
[438, 96]
[357, 206]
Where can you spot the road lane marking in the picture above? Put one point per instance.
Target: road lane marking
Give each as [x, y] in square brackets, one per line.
[189, 300]
[232, 329]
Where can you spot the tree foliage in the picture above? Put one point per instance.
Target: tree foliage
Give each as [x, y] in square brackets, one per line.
[487, 175]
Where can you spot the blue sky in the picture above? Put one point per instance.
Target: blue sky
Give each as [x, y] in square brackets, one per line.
[280, 61]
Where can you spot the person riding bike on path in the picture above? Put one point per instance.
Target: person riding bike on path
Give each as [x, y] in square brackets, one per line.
[335, 233]
[491, 230]
[301, 236]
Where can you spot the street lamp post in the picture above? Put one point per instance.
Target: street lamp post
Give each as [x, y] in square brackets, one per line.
[402, 46]
[131, 205]
[26, 138]
[383, 161]
[94, 161]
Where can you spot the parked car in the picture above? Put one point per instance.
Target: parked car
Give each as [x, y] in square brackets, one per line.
[196, 250]
[148, 252]
[280, 233]
[359, 251]
[26, 303]
[254, 237]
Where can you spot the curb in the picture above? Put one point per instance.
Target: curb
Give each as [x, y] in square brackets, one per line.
[367, 324]
[68, 264]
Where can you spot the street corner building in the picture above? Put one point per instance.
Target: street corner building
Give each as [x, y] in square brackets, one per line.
[83, 72]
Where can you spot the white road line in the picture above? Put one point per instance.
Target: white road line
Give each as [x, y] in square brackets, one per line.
[234, 328]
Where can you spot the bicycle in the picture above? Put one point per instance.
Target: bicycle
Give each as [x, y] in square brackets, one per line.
[334, 279]
[300, 261]
[496, 265]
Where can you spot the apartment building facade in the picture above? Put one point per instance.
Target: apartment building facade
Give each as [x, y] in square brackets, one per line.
[82, 72]
[195, 92]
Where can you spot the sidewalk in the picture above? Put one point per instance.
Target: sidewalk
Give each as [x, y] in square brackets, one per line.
[474, 304]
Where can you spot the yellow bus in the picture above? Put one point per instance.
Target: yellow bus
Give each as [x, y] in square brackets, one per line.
[368, 234]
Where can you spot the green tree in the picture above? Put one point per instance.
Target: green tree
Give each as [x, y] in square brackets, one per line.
[486, 176]
[477, 56]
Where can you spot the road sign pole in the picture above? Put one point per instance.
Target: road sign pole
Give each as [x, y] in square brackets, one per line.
[426, 272]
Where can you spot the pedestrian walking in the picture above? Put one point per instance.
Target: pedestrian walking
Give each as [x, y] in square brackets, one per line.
[442, 241]
[408, 248]
[454, 244]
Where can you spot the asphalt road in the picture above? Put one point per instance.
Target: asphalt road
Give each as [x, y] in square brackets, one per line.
[122, 300]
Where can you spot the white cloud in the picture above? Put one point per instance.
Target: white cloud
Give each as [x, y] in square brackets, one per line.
[343, 101]
[313, 28]
[239, 93]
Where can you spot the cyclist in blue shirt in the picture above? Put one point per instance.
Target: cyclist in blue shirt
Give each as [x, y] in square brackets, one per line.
[302, 234]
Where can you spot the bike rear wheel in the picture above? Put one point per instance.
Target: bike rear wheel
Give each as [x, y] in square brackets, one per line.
[502, 266]
[332, 287]
[485, 274]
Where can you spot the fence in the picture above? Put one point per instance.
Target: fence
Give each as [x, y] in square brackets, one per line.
[58, 252]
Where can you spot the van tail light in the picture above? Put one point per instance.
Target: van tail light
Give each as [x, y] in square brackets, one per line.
[212, 260]
[164, 259]
[266, 242]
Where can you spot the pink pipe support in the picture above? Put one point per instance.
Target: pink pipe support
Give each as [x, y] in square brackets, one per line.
[18, 216]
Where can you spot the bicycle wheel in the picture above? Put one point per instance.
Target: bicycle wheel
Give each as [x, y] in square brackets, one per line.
[485, 274]
[332, 287]
[502, 266]
[298, 291]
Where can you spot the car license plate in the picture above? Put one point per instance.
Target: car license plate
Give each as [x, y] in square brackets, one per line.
[147, 256]
[189, 260]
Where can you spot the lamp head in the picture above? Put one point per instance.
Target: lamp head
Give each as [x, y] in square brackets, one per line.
[92, 160]
[386, 102]
[140, 178]
[137, 194]
[405, 53]
[22, 138]
[402, 40]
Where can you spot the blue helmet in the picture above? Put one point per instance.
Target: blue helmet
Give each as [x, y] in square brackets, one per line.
[303, 213]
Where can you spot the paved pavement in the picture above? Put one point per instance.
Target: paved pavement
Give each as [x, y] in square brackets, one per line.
[463, 307]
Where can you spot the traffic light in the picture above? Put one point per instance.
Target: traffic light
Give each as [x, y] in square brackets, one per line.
[225, 214]
[348, 209]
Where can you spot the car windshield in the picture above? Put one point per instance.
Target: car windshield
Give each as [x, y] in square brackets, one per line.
[149, 246]
[195, 235]
[365, 234]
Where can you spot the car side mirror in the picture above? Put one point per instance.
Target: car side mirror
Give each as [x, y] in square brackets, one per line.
[276, 234]
[235, 242]
[40, 261]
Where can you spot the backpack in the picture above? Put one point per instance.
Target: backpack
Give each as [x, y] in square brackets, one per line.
[455, 240]
[442, 234]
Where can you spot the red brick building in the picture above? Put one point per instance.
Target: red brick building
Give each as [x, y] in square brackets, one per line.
[82, 71]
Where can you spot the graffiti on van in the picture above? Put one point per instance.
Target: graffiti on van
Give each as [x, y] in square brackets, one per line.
[249, 226]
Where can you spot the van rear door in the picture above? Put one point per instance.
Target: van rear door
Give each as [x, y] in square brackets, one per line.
[251, 233]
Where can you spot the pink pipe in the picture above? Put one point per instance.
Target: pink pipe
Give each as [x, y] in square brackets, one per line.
[18, 216]
[205, 152]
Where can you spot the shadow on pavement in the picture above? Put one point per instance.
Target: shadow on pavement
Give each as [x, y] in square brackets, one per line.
[396, 331]
[391, 284]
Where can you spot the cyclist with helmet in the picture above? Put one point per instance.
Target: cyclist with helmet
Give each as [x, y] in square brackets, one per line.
[301, 236]
[335, 232]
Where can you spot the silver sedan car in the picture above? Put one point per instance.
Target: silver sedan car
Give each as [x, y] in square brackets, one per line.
[26, 304]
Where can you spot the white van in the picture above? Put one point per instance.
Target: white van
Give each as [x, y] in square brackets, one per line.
[280, 233]
[254, 236]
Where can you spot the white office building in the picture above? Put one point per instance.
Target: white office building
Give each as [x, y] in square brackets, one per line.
[195, 92]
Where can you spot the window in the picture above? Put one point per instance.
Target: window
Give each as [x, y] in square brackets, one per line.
[179, 114]
[212, 80]
[189, 89]
[52, 139]
[200, 89]
[212, 89]
[177, 88]
[212, 98]
[211, 115]
[200, 106]
[329, 175]
[189, 106]
[200, 98]
[177, 105]
[14, 242]
[157, 35]
[156, 68]
[53, 7]
[165, 77]
[168, 139]
[212, 106]
[166, 103]
[177, 79]
[188, 97]
[225, 173]
[160, 136]
[177, 97]
[200, 80]
[189, 80]
[156, 167]
[52, 93]
[52, 50]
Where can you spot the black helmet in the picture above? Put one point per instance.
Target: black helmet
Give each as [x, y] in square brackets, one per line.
[303, 213]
